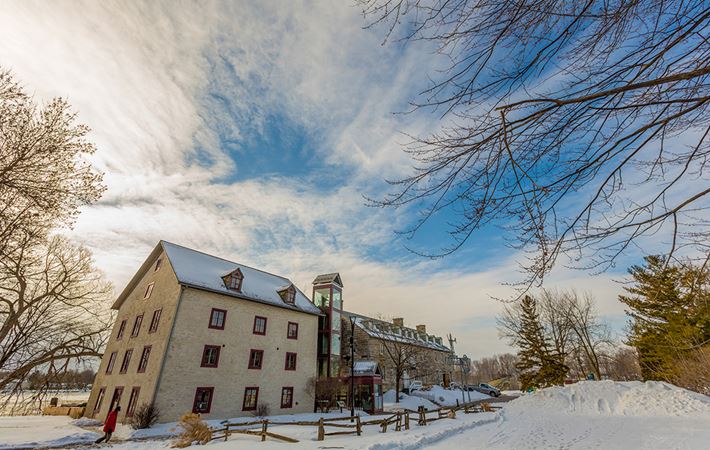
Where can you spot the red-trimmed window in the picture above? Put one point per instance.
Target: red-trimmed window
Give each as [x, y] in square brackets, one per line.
[260, 325]
[145, 355]
[217, 318]
[99, 399]
[121, 330]
[233, 281]
[116, 399]
[132, 401]
[203, 400]
[137, 326]
[290, 361]
[126, 360]
[256, 358]
[155, 320]
[286, 397]
[111, 362]
[148, 290]
[251, 397]
[292, 330]
[158, 263]
[210, 356]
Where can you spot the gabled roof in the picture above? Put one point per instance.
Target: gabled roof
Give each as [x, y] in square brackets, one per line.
[328, 278]
[202, 271]
[366, 367]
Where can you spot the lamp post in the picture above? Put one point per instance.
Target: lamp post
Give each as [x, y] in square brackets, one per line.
[465, 369]
[352, 368]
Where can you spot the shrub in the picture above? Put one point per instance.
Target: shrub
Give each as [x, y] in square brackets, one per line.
[145, 416]
[194, 430]
[262, 410]
[694, 370]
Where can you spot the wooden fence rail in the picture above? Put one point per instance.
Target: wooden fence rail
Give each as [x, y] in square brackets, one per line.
[400, 420]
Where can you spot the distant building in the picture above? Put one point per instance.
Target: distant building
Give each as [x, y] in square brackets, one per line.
[197, 333]
[377, 339]
[429, 356]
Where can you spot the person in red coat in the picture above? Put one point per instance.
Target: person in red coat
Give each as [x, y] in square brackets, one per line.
[109, 425]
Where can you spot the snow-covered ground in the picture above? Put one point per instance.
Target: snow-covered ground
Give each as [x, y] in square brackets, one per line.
[65, 396]
[586, 415]
[446, 397]
[596, 414]
[42, 431]
[409, 402]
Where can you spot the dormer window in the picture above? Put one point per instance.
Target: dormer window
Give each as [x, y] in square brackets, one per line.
[288, 295]
[233, 280]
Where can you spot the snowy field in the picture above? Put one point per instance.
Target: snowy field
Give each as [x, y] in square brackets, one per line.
[586, 415]
[453, 397]
[64, 397]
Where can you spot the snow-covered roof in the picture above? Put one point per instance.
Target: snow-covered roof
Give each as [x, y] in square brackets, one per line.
[202, 271]
[366, 368]
[381, 329]
[328, 278]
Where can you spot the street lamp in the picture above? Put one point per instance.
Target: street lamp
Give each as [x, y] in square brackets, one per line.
[352, 368]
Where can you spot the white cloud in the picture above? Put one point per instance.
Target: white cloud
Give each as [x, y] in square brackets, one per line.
[138, 74]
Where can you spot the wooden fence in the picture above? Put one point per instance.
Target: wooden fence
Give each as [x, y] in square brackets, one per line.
[348, 425]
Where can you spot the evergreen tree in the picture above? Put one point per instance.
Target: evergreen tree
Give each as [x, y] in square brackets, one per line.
[669, 306]
[538, 366]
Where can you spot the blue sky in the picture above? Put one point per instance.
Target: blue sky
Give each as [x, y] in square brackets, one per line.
[252, 131]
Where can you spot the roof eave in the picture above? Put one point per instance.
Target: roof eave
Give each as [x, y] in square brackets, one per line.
[137, 276]
[251, 299]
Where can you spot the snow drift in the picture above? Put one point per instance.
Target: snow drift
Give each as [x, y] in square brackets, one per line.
[405, 402]
[449, 397]
[611, 398]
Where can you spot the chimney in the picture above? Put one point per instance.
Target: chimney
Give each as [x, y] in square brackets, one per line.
[398, 321]
[421, 329]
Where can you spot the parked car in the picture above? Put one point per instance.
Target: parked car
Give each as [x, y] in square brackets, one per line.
[415, 385]
[487, 389]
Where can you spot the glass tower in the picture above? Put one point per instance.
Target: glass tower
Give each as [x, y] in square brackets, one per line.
[328, 296]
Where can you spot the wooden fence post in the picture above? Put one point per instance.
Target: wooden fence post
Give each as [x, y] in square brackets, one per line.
[406, 420]
[321, 430]
[264, 426]
[226, 432]
[358, 426]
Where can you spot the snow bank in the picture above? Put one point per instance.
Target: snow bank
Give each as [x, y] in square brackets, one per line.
[86, 422]
[446, 397]
[611, 398]
[42, 431]
[171, 429]
[405, 402]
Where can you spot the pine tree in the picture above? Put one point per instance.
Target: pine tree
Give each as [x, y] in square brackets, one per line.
[669, 306]
[538, 366]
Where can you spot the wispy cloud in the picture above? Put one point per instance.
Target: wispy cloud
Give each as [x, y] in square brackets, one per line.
[174, 93]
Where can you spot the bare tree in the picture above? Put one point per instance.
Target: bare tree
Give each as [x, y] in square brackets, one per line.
[571, 324]
[496, 367]
[399, 354]
[592, 336]
[54, 311]
[44, 178]
[623, 365]
[52, 300]
[579, 126]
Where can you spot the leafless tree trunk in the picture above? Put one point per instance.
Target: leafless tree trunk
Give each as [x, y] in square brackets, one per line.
[53, 302]
[571, 323]
[591, 334]
[579, 126]
[54, 310]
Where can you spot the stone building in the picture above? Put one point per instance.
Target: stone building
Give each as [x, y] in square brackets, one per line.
[375, 340]
[423, 356]
[197, 333]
